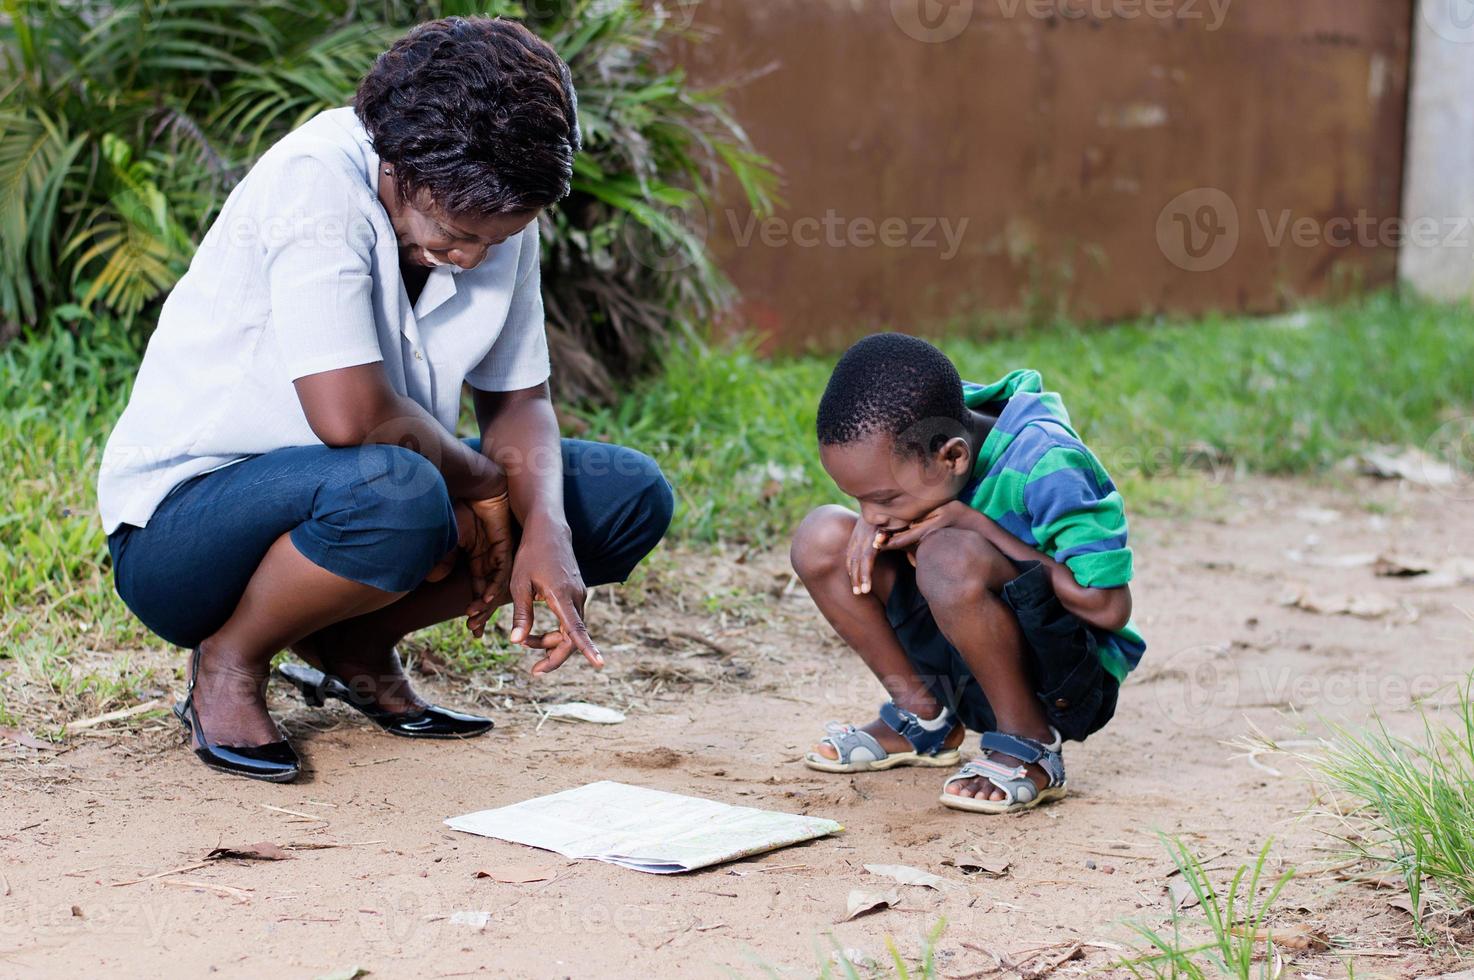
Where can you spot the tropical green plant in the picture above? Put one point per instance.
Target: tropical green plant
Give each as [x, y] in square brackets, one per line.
[124, 124]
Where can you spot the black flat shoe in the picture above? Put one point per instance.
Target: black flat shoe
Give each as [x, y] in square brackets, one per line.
[275, 762]
[429, 722]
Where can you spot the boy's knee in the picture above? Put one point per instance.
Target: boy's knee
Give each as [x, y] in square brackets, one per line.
[821, 542]
[957, 566]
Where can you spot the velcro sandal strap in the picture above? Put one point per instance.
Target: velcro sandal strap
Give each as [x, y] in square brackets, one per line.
[1030, 750]
[988, 769]
[847, 740]
[925, 738]
[1013, 781]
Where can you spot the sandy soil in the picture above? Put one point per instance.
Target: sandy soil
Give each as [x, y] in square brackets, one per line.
[730, 721]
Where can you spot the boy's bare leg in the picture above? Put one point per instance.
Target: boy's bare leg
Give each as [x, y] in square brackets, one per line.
[961, 575]
[818, 555]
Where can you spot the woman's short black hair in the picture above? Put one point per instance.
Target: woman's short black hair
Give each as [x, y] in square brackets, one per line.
[893, 385]
[478, 112]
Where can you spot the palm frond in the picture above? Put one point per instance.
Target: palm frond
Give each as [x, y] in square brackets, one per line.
[124, 125]
[36, 153]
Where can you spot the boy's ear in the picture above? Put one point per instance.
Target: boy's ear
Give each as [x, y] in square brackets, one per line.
[955, 456]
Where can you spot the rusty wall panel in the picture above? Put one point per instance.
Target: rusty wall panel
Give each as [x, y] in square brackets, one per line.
[1059, 130]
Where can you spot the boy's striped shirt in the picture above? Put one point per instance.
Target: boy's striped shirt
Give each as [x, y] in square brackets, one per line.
[1040, 483]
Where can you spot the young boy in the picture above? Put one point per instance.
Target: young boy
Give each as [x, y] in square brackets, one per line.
[984, 581]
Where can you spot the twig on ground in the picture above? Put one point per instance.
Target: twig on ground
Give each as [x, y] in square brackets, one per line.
[119, 715]
[1074, 952]
[161, 874]
[712, 645]
[239, 894]
[296, 813]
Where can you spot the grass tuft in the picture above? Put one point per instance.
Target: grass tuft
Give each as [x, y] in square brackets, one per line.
[1232, 940]
[1411, 808]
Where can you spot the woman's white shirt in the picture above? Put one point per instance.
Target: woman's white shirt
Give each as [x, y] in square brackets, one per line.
[298, 275]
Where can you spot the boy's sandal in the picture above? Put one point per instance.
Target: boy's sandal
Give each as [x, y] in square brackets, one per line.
[858, 750]
[1019, 790]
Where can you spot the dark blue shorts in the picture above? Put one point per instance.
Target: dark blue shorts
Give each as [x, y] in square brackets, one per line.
[379, 515]
[1078, 694]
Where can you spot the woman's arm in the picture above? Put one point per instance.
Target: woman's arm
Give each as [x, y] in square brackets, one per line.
[355, 405]
[519, 430]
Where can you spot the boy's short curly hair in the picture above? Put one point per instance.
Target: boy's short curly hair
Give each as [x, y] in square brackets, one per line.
[894, 385]
[479, 112]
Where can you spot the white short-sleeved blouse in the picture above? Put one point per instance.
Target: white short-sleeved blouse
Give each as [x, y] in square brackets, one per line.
[299, 274]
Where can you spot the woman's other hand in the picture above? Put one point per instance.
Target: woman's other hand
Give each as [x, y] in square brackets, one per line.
[488, 540]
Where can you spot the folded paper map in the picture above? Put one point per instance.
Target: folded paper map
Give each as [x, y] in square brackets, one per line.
[644, 829]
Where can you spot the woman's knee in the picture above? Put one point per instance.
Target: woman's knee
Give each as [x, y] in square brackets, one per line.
[621, 505]
[653, 503]
[822, 541]
[656, 501]
[387, 508]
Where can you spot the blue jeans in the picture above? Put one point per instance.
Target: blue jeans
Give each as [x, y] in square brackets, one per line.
[379, 515]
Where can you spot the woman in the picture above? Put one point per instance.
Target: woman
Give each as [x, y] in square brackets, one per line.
[286, 473]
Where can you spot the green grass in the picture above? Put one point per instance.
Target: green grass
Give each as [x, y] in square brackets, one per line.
[1229, 935]
[835, 962]
[1168, 407]
[1408, 804]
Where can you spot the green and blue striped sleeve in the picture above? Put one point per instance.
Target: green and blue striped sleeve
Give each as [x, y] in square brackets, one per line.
[1078, 517]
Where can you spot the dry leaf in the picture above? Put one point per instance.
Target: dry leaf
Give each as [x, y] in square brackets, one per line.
[1446, 574]
[1299, 937]
[1181, 894]
[517, 874]
[853, 957]
[348, 973]
[862, 901]
[475, 918]
[1369, 605]
[1320, 516]
[1400, 566]
[583, 711]
[25, 738]
[1355, 559]
[263, 851]
[1410, 464]
[907, 875]
[1403, 903]
[973, 864]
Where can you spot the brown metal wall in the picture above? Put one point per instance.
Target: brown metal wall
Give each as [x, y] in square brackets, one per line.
[1061, 140]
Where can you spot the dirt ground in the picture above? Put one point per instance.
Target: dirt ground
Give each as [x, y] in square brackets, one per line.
[727, 672]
